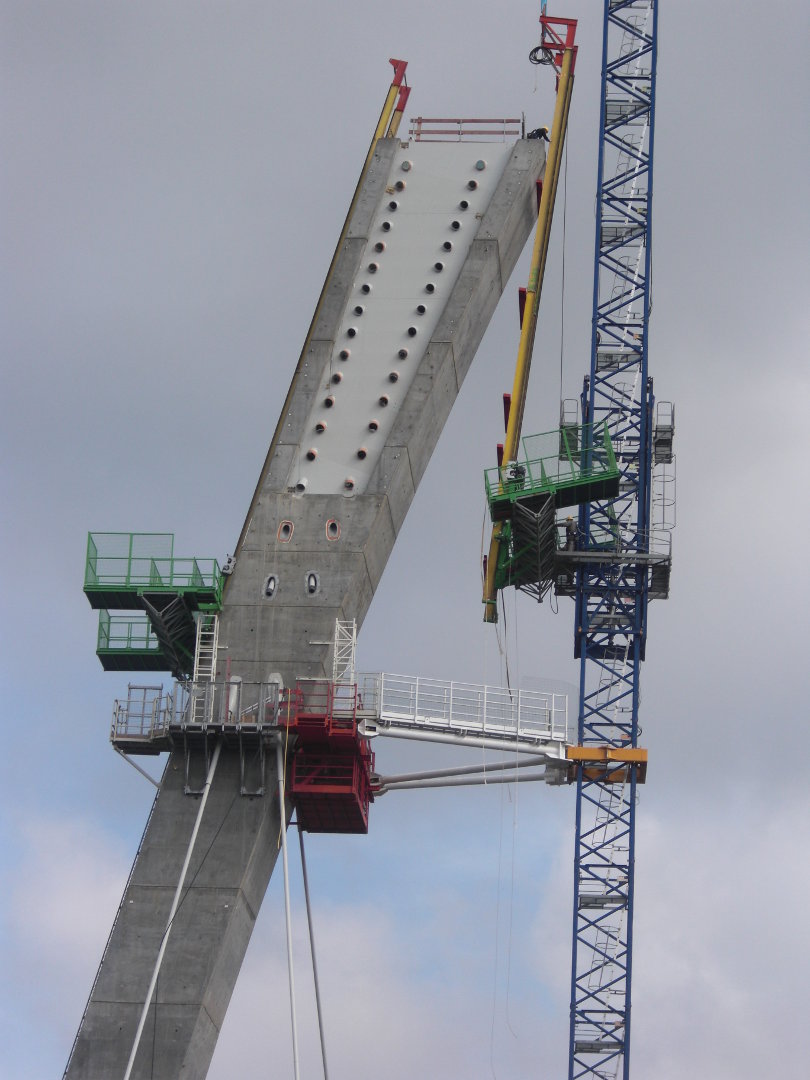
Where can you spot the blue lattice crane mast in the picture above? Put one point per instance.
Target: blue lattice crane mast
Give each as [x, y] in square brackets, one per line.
[623, 553]
[615, 464]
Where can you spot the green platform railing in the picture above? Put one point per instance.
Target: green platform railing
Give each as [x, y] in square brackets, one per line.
[130, 563]
[573, 464]
[125, 633]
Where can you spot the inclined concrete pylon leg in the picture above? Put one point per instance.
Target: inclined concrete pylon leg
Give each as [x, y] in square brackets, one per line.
[315, 543]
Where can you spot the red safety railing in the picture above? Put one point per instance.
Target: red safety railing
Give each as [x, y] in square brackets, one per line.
[320, 709]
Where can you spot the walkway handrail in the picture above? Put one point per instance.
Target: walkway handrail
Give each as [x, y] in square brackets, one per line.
[471, 709]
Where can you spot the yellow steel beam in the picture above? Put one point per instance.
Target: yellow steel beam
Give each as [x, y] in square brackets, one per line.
[396, 118]
[606, 764]
[606, 753]
[529, 326]
[382, 126]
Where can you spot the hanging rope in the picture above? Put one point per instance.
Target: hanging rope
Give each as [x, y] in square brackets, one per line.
[312, 950]
[497, 934]
[554, 605]
[287, 916]
[174, 908]
[512, 891]
[282, 823]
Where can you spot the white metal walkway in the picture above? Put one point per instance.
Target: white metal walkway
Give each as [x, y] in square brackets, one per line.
[495, 717]
[530, 723]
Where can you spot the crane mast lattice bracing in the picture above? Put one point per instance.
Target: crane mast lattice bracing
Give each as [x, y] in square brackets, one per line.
[612, 594]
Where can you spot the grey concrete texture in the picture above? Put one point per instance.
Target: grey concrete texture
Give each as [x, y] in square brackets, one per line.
[227, 878]
[512, 212]
[258, 629]
[288, 633]
[423, 415]
[178, 1042]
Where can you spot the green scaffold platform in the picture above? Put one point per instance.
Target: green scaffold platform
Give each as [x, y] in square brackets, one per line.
[158, 596]
[569, 466]
[573, 465]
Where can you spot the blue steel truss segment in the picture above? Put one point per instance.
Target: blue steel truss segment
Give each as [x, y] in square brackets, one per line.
[627, 204]
[612, 950]
[628, 80]
[603, 1017]
[628, 26]
[611, 599]
[605, 885]
[608, 626]
[626, 423]
[620, 689]
[620, 583]
[605, 647]
[622, 297]
[623, 205]
[609, 399]
[630, 172]
[620, 333]
[604, 582]
[607, 622]
[617, 686]
[598, 848]
[627, 207]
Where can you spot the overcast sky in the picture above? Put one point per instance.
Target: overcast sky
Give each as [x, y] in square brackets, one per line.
[174, 180]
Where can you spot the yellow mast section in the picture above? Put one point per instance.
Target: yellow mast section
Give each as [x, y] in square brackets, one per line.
[565, 87]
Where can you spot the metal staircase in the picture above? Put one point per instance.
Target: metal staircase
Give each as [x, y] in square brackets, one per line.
[173, 626]
[138, 572]
[534, 542]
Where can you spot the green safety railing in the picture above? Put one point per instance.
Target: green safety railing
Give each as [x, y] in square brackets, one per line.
[125, 633]
[129, 562]
[576, 456]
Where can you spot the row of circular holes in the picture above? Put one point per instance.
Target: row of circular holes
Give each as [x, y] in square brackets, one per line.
[430, 287]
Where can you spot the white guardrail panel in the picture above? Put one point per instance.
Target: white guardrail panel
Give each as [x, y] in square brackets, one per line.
[464, 708]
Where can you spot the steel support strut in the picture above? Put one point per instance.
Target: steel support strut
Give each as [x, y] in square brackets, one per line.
[611, 598]
[562, 54]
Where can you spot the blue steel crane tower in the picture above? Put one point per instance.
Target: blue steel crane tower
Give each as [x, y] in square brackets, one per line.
[622, 559]
[617, 556]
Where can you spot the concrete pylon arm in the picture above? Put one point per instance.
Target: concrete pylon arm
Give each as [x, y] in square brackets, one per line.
[319, 534]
